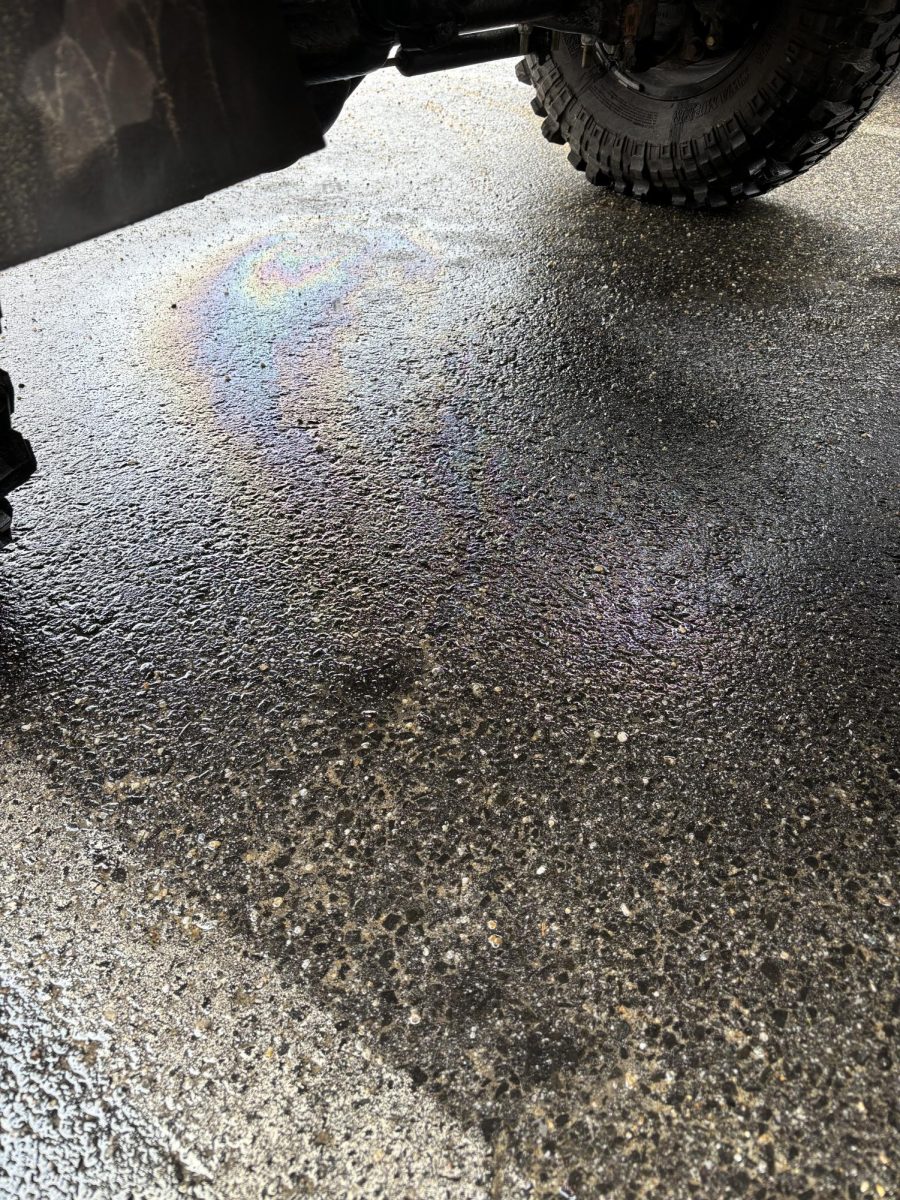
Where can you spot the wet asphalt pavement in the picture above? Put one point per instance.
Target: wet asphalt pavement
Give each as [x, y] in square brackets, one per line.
[450, 675]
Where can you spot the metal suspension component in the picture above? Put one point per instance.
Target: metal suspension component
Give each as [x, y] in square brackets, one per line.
[464, 51]
[344, 40]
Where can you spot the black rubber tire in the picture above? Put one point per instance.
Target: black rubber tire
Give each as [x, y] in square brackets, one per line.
[17, 461]
[811, 72]
[6, 515]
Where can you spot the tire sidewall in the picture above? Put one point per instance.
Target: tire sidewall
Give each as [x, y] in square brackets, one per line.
[623, 110]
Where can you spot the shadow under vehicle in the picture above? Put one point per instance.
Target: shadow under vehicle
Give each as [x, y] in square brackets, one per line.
[113, 110]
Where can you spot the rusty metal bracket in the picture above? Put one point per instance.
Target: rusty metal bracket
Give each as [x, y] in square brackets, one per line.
[638, 27]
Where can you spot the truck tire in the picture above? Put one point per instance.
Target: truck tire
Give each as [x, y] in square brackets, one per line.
[713, 133]
[17, 461]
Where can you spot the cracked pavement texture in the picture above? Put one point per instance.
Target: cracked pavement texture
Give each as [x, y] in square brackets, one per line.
[449, 663]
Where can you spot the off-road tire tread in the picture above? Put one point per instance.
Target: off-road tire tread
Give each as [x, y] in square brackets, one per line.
[17, 461]
[844, 63]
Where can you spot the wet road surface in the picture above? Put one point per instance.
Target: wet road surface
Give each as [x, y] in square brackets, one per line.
[449, 662]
